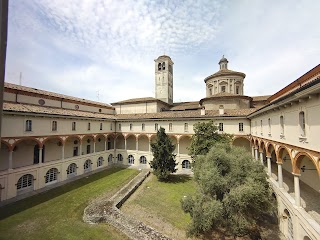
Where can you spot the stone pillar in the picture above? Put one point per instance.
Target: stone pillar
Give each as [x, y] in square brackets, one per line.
[252, 150]
[80, 149]
[297, 189]
[280, 179]
[269, 165]
[40, 155]
[178, 147]
[137, 145]
[105, 144]
[149, 145]
[62, 151]
[261, 158]
[94, 146]
[256, 154]
[125, 144]
[10, 159]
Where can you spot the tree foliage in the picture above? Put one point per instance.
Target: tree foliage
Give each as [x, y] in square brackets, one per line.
[163, 162]
[205, 136]
[233, 192]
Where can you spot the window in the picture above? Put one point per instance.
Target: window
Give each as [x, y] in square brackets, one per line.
[210, 91]
[186, 164]
[72, 170]
[52, 175]
[302, 124]
[142, 126]
[111, 126]
[261, 127]
[75, 151]
[110, 157]
[119, 126]
[100, 126]
[159, 66]
[120, 157]
[163, 66]
[89, 126]
[73, 126]
[237, 90]
[54, 126]
[143, 160]
[100, 161]
[186, 127]
[88, 149]
[269, 125]
[25, 182]
[156, 127]
[281, 125]
[170, 127]
[240, 127]
[223, 88]
[130, 126]
[130, 159]
[87, 165]
[28, 125]
[221, 127]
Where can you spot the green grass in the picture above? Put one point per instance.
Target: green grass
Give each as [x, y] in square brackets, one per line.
[163, 198]
[57, 214]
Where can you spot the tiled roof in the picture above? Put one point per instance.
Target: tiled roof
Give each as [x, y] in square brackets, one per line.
[137, 100]
[52, 94]
[187, 114]
[185, 106]
[28, 108]
[224, 72]
[225, 96]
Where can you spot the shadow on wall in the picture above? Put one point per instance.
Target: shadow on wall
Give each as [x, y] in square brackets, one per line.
[23, 204]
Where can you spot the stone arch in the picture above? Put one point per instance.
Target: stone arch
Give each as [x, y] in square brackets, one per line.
[26, 152]
[27, 139]
[100, 140]
[53, 148]
[120, 141]
[9, 146]
[242, 142]
[72, 146]
[131, 142]
[280, 152]
[184, 143]
[287, 224]
[87, 144]
[143, 140]
[271, 152]
[73, 136]
[25, 184]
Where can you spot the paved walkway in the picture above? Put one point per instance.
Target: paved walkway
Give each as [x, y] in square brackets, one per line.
[107, 210]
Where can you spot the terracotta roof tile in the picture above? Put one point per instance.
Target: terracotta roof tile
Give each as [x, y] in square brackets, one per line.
[260, 98]
[185, 106]
[137, 100]
[28, 108]
[52, 94]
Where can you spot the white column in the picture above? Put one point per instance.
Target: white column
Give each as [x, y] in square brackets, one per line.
[10, 159]
[62, 151]
[105, 144]
[252, 150]
[280, 179]
[149, 145]
[137, 145]
[269, 165]
[297, 189]
[94, 146]
[261, 158]
[178, 147]
[125, 144]
[40, 155]
[256, 154]
[80, 149]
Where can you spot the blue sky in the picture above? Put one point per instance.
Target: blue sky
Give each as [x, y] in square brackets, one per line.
[82, 47]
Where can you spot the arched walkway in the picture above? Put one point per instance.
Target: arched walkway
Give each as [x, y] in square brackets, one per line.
[242, 142]
[131, 142]
[143, 144]
[100, 143]
[184, 143]
[72, 146]
[27, 152]
[120, 142]
[52, 149]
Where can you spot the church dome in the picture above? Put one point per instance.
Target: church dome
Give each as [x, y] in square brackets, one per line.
[223, 59]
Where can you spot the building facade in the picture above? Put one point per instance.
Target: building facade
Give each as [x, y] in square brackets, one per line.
[49, 138]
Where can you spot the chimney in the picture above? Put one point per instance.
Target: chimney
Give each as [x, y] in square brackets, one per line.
[221, 110]
[203, 111]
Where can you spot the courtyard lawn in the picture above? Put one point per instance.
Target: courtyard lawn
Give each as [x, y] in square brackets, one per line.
[57, 214]
[162, 199]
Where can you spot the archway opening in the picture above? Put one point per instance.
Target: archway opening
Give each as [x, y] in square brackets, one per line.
[52, 149]
[131, 142]
[143, 144]
[242, 142]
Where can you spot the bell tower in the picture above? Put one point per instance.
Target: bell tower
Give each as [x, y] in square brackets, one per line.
[164, 79]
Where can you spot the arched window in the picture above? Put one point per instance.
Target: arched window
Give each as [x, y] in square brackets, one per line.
[100, 161]
[120, 157]
[143, 160]
[25, 183]
[72, 170]
[159, 66]
[87, 165]
[302, 124]
[142, 127]
[288, 218]
[281, 125]
[52, 175]
[186, 164]
[269, 125]
[110, 157]
[156, 126]
[28, 126]
[130, 159]
[130, 126]
[163, 66]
